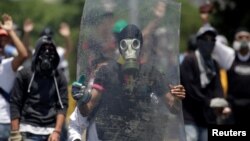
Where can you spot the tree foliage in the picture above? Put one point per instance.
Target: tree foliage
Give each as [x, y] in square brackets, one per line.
[190, 22]
[230, 15]
[44, 14]
[51, 14]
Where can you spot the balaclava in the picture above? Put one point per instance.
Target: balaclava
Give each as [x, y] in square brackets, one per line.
[206, 38]
[46, 58]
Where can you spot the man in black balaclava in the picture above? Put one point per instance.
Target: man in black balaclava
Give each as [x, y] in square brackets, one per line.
[39, 97]
[200, 77]
[46, 59]
[205, 43]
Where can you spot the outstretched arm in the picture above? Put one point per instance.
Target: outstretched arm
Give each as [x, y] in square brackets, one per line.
[87, 108]
[159, 12]
[88, 99]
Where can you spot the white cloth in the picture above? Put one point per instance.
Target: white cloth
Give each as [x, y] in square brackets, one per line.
[7, 78]
[223, 55]
[36, 130]
[203, 74]
[77, 124]
[63, 64]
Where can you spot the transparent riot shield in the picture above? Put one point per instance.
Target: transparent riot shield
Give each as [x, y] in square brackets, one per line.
[133, 106]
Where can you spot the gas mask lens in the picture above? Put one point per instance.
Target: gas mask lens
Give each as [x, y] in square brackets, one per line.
[136, 44]
[123, 45]
[133, 43]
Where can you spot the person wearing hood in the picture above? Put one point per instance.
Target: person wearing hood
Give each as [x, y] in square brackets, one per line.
[39, 101]
[239, 78]
[200, 77]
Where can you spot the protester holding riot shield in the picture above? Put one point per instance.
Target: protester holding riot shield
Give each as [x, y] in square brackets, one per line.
[128, 100]
[137, 90]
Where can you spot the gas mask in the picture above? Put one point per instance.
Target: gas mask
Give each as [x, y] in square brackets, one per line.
[130, 50]
[46, 58]
[237, 45]
[130, 43]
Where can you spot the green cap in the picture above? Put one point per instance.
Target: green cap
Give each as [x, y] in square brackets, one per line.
[119, 25]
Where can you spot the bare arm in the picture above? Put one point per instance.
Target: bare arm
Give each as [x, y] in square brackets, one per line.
[86, 109]
[60, 118]
[27, 28]
[159, 12]
[22, 52]
[15, 124]
[65, 32]
[55, 135]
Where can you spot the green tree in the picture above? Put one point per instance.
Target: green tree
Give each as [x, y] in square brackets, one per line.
[43, 14]
[190, 22]
[230, 15]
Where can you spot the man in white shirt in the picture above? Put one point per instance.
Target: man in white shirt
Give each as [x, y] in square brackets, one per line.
[8, 68]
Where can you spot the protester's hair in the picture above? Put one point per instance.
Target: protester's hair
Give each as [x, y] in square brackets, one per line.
[130, 31]
[47, 31]
[241, 29]
[191, 44]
